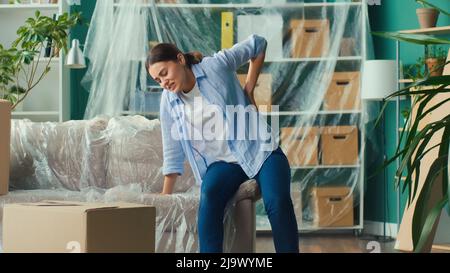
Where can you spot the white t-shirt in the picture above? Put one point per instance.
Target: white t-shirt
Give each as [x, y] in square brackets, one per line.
[207, 128]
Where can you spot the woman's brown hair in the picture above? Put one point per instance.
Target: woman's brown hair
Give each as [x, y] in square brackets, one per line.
[164, 52]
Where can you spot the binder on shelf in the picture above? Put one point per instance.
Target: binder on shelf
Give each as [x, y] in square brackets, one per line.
[227, 30]
[267, 26]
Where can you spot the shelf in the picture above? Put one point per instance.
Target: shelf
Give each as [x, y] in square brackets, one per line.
[249, 5]
[287, 113]
[306, 226]
[405, 81]
[264, 226]
[326, 167]
[28, 6]
[309, 113]
[140, 113]
[45, 60]
[318, 59]
[433, 30]
[34, 113]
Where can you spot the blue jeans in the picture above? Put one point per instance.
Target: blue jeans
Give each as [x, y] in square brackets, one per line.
[221, 182]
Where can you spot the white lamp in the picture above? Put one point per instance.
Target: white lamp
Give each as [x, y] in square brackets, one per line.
[379, 79]
[75, 57]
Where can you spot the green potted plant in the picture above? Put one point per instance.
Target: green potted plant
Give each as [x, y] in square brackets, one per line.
[19, 71]
[435, 61]
[13, 94]
[19, 64]
[428, 14]
[416, 71]
[412, 147]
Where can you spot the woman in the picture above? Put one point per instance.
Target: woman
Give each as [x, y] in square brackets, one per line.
[201, 95]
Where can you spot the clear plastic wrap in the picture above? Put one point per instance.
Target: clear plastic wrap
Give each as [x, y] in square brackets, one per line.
[107, 160]
[312, 73]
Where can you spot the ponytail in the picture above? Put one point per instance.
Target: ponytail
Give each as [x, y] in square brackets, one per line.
[169, 52]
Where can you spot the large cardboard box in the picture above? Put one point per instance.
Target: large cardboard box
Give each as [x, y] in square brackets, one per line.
[343, 92]
[310, 38]
[300, 145]
[58, 226]
[262, 92]
[332, 206]
[339, 145]
[5, 132]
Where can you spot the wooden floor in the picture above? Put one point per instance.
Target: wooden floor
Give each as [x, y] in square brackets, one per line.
[334, 243]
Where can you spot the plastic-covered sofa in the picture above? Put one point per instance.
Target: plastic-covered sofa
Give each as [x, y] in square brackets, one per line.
[118, 159]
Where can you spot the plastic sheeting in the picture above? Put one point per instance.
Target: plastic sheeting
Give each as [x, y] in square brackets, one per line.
[106, 160]
[312, 72]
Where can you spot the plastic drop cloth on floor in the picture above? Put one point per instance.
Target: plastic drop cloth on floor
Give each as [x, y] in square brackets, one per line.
[105, 160]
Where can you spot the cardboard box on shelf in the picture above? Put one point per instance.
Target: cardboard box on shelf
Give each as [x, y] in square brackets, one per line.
[332, 206]
[300, 145]
[309, 38]
[339, 145]
[296, 196]
[262, 92]
[61, 226]
[343, 92]
[5, 132]
[348, 47]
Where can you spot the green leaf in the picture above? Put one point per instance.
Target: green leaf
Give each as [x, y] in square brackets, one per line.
[420, 39]
[421, 209]
[429, 223]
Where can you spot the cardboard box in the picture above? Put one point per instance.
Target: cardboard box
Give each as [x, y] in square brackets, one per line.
[267, 26]
[343, 92]
[310, 38]
[332, 206]
[59, 226]
[5, 135]
[296, 196]
[339, 145]
[300, 145]
[348, 47]
[263, 91]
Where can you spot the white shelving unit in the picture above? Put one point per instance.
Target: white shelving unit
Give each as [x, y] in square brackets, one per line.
[242, 6]
[50, 99]
[263, 224]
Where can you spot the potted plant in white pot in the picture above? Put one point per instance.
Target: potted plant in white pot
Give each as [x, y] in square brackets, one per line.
[19, 72]
[428, 14]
